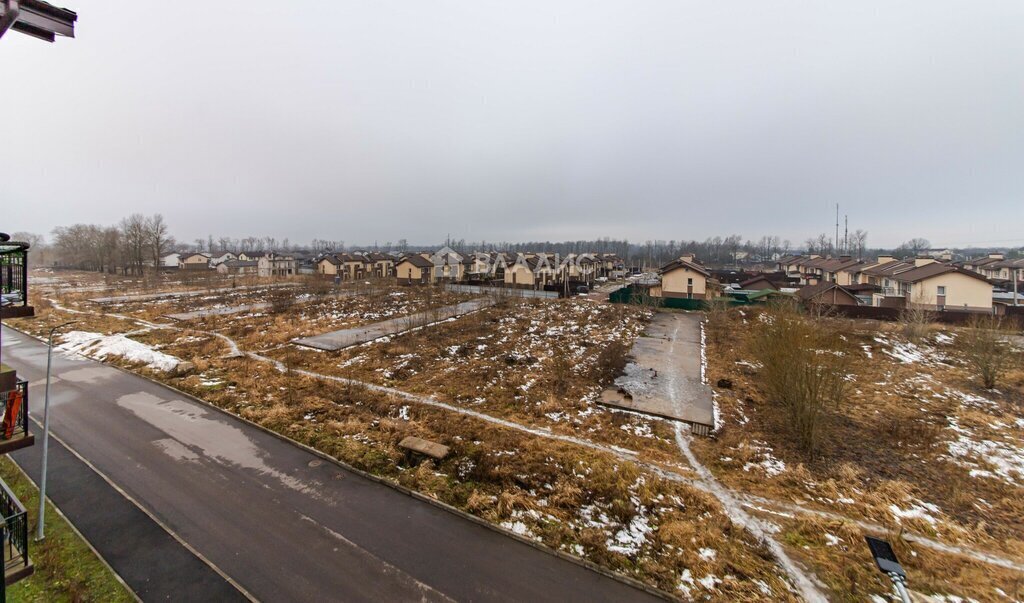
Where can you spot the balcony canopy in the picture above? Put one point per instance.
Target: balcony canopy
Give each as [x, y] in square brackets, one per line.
[37, 19]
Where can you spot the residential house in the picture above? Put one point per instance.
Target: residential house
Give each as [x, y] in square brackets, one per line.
[685, 278]
[354, 266]
[251, 256]
[272, 264]
[414, 268]
[239, 267]
[381, 265]
[194, 261]
[531, 271]
[171, 260]
[1009, 271]
[329, 266]
[223, 257]
[938, 286]
[985, 266]
[881, 273]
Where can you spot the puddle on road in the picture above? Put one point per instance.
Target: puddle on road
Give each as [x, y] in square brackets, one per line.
[193, 433]
[88, 374]
[176, 450]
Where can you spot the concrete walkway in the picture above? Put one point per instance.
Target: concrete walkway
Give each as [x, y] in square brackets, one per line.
[337, 340]
[666, 356]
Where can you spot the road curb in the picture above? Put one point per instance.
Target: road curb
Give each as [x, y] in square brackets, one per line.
[633, 582]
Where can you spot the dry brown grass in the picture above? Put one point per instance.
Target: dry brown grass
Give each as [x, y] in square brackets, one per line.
[889, 444]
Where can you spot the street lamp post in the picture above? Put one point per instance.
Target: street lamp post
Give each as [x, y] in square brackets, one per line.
[887, 563]
[46, 432]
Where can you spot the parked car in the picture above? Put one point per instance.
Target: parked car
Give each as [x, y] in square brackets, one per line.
[582, 289]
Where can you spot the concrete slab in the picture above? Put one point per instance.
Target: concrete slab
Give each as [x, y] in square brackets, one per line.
[118, 299]
[665, 378]
[257, 307]
[337, 340]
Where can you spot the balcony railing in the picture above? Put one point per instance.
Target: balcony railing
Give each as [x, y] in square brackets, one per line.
[14, 279]
[15, 536]
[14, 432]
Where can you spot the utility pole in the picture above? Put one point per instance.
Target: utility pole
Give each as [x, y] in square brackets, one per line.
[836, 240]
[1015, 294]
[846, 233]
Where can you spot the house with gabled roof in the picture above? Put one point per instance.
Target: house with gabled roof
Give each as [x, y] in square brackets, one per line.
[194, 261]
[413, 269]
[683, 277]
[940, 286]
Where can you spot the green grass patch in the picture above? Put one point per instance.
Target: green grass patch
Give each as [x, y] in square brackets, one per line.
[66, 569]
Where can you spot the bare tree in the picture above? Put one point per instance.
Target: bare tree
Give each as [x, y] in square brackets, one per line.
[803, 369]
[134, 242]
[858, 242]
[916, 245]
[158, 238]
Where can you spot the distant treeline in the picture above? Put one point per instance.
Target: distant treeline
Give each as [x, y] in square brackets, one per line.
[138, 242]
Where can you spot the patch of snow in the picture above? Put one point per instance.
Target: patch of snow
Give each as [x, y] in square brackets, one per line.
[916, 511]
[630, 538]
[99, 346]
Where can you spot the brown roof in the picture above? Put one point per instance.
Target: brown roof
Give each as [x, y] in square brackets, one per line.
[681, 263]
[812, 291]
[756, 279]
[888, 268]
[934, 269]
[417, 260]
[985, 261]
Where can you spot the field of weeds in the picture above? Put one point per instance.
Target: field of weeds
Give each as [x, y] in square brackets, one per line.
[916, 445]
[584, 501]
[541, 363]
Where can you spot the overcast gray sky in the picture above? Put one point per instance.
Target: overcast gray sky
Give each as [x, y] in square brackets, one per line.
[382, 120]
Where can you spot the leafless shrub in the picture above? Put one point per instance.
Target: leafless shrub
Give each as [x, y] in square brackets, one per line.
[610, 362]
[986, 350]
[561, 372]
[915, 320]
[280, 300]
[804, 370]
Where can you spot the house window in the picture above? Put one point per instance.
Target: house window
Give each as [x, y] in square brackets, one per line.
[941, 290]
[689, 281]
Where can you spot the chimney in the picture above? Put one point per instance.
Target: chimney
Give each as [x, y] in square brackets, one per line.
[923, 260]
[885, 259]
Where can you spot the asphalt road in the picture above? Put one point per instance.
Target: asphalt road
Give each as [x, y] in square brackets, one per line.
[280, 521]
